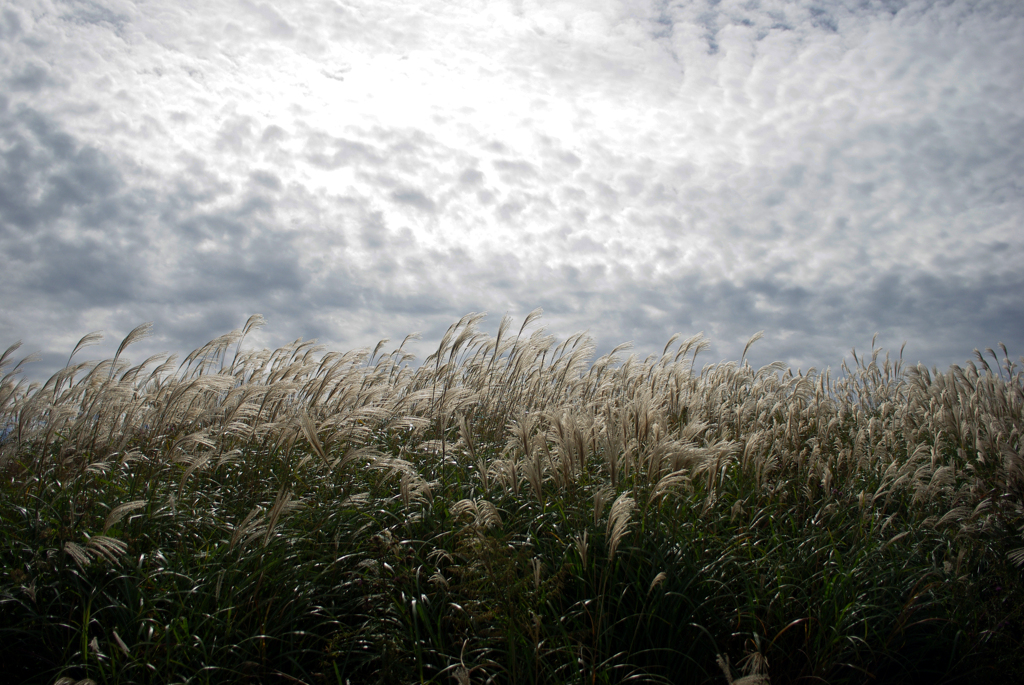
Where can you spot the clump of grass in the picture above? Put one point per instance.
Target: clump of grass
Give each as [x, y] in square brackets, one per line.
[509, 511]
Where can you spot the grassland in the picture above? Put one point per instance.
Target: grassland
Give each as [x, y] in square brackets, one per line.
[509, 511]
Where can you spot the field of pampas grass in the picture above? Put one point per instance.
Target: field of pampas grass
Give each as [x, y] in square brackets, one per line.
[510, 510]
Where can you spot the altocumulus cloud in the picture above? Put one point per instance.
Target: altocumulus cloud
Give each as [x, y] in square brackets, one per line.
[820, 170]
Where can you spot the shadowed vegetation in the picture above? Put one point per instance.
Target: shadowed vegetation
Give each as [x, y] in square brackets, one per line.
[509, 511]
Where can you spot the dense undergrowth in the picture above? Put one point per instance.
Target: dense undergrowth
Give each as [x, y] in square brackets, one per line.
[510, 511]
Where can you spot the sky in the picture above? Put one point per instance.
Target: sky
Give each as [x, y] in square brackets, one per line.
[821, 170]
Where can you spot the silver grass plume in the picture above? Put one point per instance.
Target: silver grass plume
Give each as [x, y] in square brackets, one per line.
[138, 333]
[618, 522]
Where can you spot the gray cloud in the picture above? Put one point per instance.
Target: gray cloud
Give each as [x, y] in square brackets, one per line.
[471, 177]
[413, 198]
[823, 171]
[33, 78]
[514, 172]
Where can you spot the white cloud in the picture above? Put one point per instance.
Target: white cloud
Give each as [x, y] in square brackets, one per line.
[637, 168]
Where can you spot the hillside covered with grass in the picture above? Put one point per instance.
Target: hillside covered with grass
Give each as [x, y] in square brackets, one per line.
[509, 511]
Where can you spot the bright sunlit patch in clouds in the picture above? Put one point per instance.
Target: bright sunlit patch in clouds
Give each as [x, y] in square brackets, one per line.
[364, 169]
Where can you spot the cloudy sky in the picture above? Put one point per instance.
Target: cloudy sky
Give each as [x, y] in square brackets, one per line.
[819, 169]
